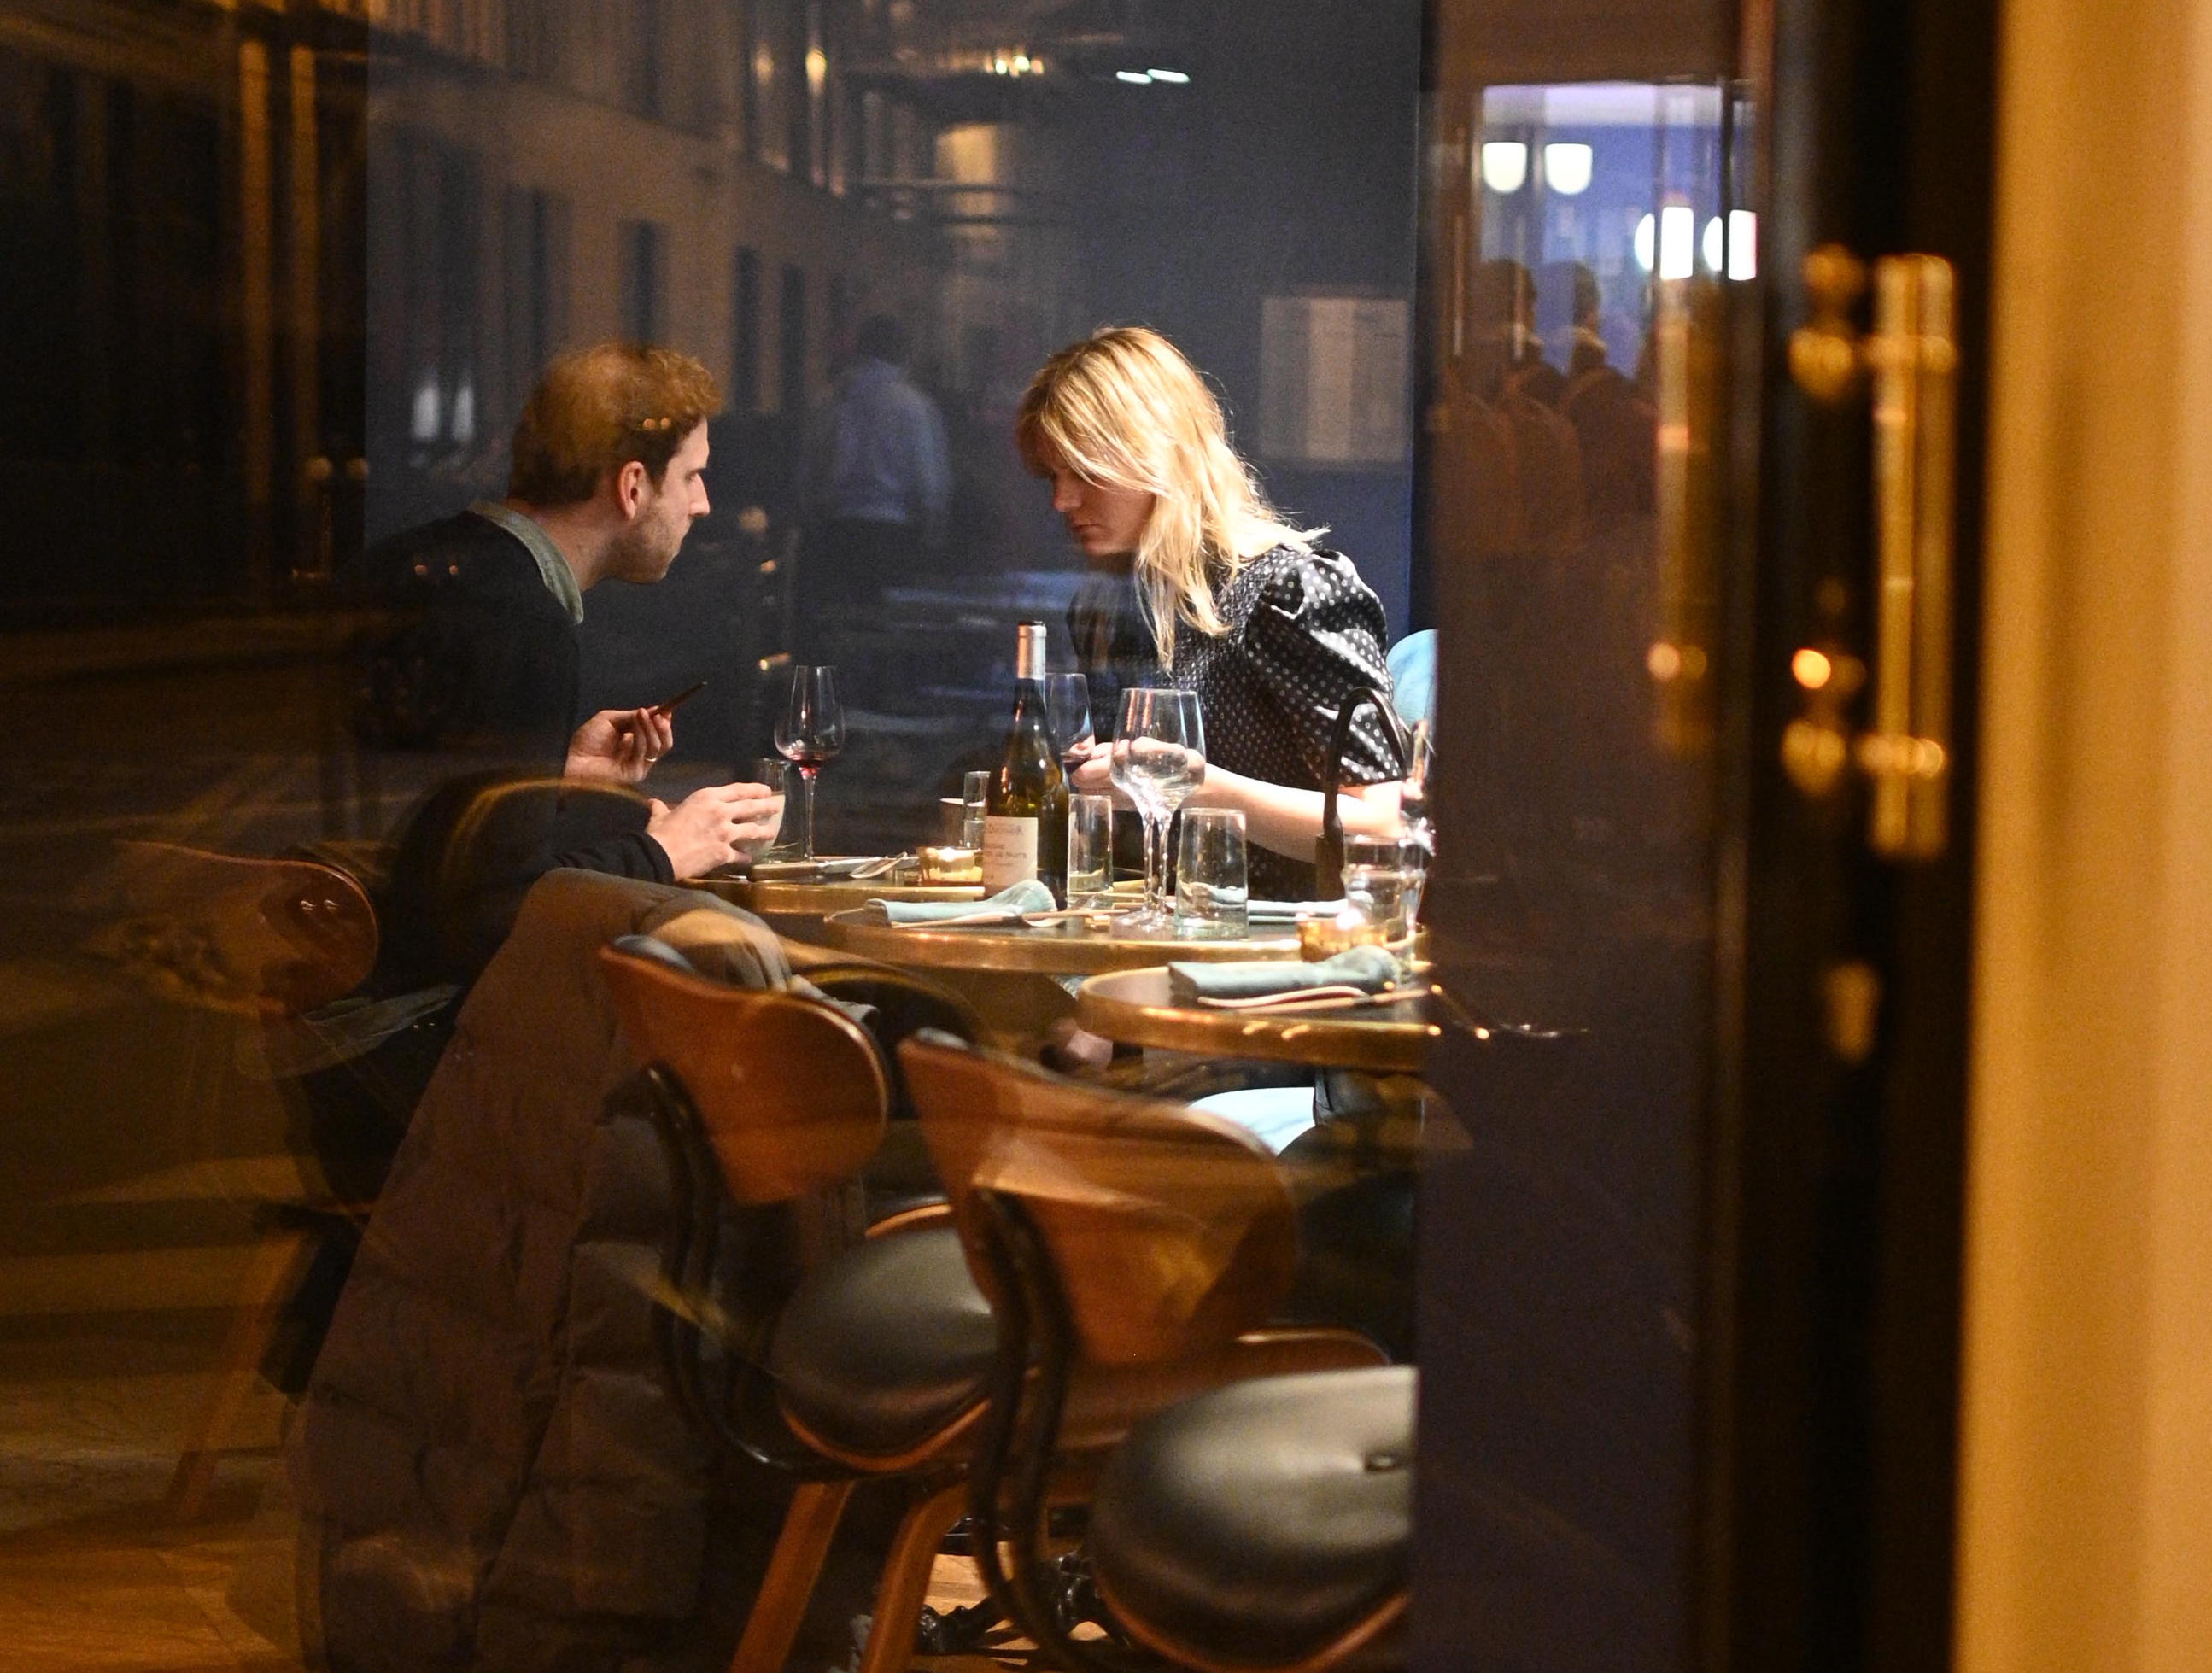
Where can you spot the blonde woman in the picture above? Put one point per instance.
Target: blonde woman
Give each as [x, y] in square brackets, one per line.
[1271, 629]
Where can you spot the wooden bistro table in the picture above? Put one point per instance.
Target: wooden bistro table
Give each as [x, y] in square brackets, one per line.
[1018, 977]
[1136, 1007]
[795, 907]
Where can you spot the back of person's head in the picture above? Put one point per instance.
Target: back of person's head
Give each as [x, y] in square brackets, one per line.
[596, 409]
[882, 338]
[1124, 408]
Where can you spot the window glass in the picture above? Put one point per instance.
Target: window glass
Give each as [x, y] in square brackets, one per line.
[312, 625]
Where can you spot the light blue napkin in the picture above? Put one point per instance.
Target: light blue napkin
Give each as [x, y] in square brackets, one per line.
[1007, 906]
[1369, 968]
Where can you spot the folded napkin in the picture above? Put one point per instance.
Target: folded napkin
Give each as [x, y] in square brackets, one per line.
[1290, 911]
[1369, 970]
[1007, 906]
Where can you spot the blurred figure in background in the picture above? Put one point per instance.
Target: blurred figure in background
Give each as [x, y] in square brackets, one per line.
[875, 484]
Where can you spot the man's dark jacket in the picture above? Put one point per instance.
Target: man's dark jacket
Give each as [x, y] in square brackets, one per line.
[484, 666]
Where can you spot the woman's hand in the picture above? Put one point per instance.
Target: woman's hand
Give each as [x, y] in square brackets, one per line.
[619, 746]
[1094, 775]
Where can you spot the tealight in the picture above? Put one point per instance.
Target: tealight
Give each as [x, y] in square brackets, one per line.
[951, 865]
[1324, 938]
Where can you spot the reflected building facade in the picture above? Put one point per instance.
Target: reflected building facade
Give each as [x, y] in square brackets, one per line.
[305, 261]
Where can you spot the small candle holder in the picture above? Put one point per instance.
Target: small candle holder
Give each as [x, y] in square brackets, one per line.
[1324, 938]
[950, 865]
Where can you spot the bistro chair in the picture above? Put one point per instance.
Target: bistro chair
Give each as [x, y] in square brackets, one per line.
[260, 943]
[1263, 1528]
[860, 1357]
[1133, 1251]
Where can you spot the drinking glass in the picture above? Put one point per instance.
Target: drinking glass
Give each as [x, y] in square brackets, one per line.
[1090, 850]
[809, 731]
[1419, 845]
[1159, 757]
[775, 771]
[1067, 715]
[1375, 882]
[1211, 880]
[974, 799]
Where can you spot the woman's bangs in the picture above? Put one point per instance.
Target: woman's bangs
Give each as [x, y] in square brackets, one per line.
[1075, 430]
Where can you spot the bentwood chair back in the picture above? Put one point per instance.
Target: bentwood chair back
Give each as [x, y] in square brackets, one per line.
[262, 937]
[871, 1362]
[267, 940]
[791, 1094]
[1133, 1252]
[1176, 1230]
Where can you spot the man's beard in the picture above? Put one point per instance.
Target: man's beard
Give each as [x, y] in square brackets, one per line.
[643, 552]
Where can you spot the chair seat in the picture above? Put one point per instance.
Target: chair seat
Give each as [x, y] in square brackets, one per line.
[884, 1345]
[1260, 1524]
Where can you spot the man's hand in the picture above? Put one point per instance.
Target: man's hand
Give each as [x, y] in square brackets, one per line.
[619, 745]
[713, 826]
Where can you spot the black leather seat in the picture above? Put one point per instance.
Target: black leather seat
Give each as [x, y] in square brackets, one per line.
[882, 1347]
[1263, 1523]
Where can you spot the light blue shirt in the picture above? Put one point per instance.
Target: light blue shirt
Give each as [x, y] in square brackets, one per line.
[879, 454]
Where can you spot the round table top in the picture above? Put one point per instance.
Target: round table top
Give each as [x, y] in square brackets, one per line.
[1136, 1007]
[783, 896]
[1071, 948]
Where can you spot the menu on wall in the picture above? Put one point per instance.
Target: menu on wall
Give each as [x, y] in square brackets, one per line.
[1333, 374]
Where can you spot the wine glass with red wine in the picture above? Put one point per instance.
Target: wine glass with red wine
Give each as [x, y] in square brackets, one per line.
[809, 731]
[1068, 716]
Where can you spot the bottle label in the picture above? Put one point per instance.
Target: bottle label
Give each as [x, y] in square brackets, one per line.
[1010, 850]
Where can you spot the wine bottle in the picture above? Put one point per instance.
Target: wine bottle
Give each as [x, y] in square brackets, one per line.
[1025, 811]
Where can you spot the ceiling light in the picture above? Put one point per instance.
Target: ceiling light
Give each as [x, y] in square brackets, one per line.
[1134, 78]
[1505, 164]
[1647, 234]
[1567, 168]
[1174, 75]
[1743, 245]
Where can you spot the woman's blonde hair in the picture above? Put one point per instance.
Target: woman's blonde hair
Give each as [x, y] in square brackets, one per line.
[1124, 408]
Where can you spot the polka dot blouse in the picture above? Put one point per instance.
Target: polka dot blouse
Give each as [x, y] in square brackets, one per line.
[1304, 630]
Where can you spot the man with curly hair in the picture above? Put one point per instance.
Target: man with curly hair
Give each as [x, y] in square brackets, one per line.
[609, 458]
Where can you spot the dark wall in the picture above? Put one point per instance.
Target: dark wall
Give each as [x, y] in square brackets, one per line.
[1288, 162]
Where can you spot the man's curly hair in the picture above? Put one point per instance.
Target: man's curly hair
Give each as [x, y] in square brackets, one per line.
[596, 409]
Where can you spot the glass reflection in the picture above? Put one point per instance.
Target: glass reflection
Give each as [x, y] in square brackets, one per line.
[1585, 239]
[281, 283]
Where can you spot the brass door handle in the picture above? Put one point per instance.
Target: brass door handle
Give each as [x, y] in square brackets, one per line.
[1913, 358]
[1686, 343]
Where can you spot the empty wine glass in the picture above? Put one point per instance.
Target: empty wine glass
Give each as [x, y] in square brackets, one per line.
[809, 731]
[1067, 715]
[1159, 758]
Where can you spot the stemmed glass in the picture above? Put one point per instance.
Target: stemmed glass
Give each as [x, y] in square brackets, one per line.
[1068, 716]
[1159, 757]
[809, 731]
